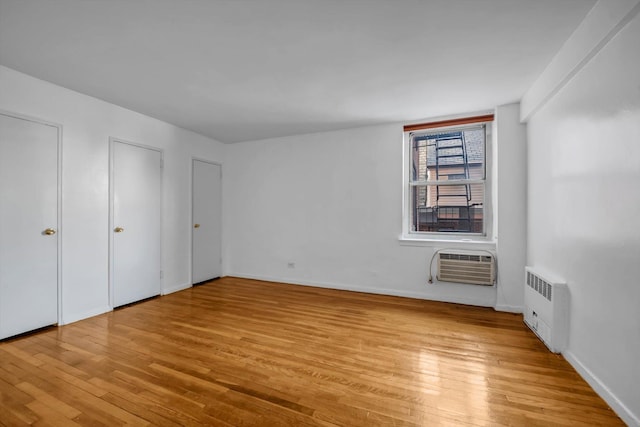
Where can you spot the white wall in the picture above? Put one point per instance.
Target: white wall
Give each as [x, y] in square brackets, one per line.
[584, 208]
[332, 204]
[87, 125]
[511, 212]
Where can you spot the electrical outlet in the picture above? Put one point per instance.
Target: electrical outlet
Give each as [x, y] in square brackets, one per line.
[291, 265]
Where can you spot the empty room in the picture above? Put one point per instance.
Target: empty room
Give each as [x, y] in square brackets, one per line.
[319, 212]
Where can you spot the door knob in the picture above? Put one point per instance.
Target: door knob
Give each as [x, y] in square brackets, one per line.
[49, 231]
[118, 229]
[196, 225]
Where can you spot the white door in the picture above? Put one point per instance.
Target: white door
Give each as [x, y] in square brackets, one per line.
[136, 200]
[207, 221]
[28, 225]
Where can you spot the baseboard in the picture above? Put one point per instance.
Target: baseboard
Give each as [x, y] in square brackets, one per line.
[85, 315]
[378, 291]
[509, 308]
[602, 390]
[176, 288]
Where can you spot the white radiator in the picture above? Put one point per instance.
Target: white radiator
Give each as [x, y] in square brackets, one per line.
[476, 268]
[546, 309]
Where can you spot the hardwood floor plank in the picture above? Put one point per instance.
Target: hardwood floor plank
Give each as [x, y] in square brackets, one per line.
[48, 416]
[49, 400]
[11, 419]
[120, 396]
[238, 352]
[14, 350]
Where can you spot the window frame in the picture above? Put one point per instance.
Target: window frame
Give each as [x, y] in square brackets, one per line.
[464, 123]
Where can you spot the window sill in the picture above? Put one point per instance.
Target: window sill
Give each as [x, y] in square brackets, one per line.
[454, 242]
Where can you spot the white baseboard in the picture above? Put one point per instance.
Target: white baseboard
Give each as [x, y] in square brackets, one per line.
[509, 308]
[176, 288]
[66, 319]
[603, 391]
[368, 290]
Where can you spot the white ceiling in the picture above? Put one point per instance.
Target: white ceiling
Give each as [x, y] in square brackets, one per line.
[252, 69]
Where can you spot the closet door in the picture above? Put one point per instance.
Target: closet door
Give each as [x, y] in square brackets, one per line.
[136, 229]
[207, 221]
[28, 225]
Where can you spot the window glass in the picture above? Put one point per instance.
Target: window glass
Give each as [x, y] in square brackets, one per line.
[447, 180]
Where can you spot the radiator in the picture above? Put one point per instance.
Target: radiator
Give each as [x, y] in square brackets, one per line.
[546, 308]
[475, 268]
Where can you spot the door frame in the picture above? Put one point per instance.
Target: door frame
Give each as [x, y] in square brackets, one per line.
[112, 143]
[58, 128]
[191, 218]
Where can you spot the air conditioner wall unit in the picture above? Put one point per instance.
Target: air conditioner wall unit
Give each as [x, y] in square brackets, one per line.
[546, 308]
[470, 267]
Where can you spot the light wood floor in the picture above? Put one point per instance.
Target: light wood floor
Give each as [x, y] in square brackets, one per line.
[237, 352]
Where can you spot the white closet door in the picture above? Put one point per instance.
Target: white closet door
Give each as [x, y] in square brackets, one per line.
[136, 200]
[207, 221]
[28, 225]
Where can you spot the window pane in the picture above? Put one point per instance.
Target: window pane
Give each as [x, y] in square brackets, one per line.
[447, 155]
[448, 208]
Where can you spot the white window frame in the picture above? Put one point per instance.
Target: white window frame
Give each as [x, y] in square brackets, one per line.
[486, 235]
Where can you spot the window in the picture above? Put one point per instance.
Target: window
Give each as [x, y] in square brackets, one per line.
[446, 177]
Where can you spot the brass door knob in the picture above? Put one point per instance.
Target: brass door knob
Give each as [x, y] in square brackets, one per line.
[49, 231]
[118, 229]
[196, 225]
